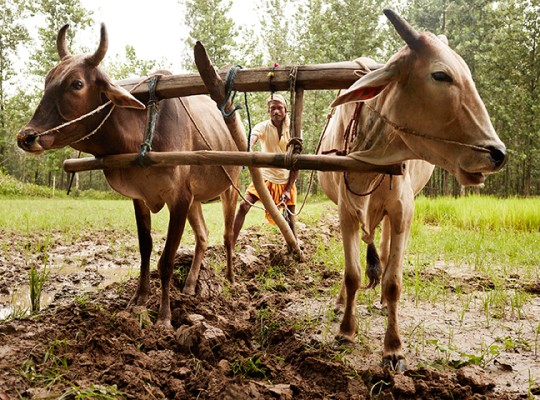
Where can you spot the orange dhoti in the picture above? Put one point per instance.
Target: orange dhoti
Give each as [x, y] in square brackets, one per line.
[276, 191]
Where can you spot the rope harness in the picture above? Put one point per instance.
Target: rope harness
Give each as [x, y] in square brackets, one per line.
[348, 137]
[153, 78]
[56, 129]
[229, 81]
[152, 116]
[412, 132]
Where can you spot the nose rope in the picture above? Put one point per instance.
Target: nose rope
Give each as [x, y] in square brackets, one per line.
[412, 132]
[84, 116]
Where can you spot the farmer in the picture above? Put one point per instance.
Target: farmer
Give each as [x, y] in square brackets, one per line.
[274, 136]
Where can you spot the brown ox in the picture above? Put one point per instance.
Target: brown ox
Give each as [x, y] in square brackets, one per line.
[77, 86]
[421, 105]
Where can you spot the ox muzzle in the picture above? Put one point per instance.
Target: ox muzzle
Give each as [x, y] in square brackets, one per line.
[29, 140]
[498, 156]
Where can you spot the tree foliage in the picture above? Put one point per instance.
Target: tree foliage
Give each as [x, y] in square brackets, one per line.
[499, 40]
[130, 65]
[13, 34]
[209, 22]
[56, 13]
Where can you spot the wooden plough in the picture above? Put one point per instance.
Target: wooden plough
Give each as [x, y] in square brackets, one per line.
[209, 81]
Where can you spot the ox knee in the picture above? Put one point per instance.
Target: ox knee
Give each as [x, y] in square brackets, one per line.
[392, 292]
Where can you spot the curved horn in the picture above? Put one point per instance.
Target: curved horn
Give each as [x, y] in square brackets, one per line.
[61, 42]
[405, 30]
[96, 58]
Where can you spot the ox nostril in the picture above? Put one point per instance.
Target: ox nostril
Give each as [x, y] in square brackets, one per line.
[498, 155]
[26, 138]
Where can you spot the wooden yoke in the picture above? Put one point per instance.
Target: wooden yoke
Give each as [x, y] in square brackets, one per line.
[216, 88]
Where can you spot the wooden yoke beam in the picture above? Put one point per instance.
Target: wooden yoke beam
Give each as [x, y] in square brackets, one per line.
[216, 88]
[339, 75]
[155, 159]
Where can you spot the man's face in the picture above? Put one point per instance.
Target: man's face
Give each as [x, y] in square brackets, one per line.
[277, 112]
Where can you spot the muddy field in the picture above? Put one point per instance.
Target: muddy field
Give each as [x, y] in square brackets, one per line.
[268, 336]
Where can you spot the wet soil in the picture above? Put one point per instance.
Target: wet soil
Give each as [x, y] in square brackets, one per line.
[268, 336]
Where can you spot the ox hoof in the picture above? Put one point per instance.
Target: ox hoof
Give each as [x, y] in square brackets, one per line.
[164, 324]
[138, 300]
[189, 290]
[345, 340]
[396, 364]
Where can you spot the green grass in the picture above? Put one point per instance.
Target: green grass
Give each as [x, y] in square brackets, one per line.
[484, 233]
[478, 231]
[480, 213]
[481, 232]
[74, 215]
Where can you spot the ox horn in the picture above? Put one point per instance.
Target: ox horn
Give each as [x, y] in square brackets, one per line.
[96, 58]
[405, 30]
[61, 42]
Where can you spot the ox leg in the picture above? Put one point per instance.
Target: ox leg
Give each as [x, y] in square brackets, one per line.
[340, 301]
[386, 230]
[177, 222]
[196, 220]
[228, 204]
[352, 276]
[373, 272]
[392, 284]
[144, 222]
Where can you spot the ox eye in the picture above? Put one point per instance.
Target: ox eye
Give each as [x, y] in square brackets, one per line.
[77, 85]
[441, 76]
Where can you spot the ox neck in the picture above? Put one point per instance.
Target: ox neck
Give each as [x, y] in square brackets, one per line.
[375, 141]
[95, 133]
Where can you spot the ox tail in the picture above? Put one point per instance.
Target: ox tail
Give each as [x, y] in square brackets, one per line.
[373, 266]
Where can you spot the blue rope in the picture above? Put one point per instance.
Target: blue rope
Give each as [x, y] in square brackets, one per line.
[153, 112]
[228, 90]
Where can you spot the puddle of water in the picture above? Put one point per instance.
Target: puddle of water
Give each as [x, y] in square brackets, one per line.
[18, 302]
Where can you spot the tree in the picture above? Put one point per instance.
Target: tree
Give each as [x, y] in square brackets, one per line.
[276, 30]
[57, 13]
[130, 65]
[512, 74]
[13, 34]
[209, 23]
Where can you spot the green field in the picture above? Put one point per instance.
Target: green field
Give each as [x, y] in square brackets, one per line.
[483, 232]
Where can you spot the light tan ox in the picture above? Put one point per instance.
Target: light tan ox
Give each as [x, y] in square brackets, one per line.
[421, 105]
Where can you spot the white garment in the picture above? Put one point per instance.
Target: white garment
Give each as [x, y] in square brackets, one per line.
[267, 135]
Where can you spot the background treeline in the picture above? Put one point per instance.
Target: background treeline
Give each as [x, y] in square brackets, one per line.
[498, 39]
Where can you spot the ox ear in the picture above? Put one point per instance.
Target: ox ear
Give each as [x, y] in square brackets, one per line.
[121, 97]
[367, 87]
